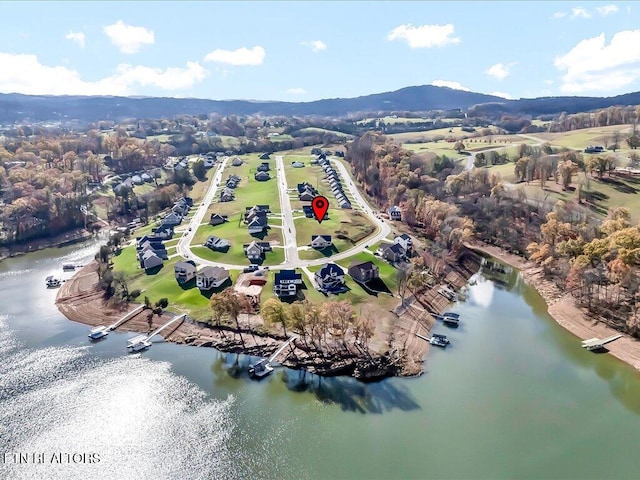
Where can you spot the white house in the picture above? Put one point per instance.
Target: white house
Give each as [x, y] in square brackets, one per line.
[404, 241]
[321, 242]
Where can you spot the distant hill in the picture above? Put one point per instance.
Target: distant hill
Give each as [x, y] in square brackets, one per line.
[20, 108]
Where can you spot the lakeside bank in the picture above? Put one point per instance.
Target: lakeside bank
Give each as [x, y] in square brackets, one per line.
[562, 307]
[81, 300]
[62, 240]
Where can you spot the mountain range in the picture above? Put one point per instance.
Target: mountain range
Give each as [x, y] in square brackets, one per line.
[38, 108]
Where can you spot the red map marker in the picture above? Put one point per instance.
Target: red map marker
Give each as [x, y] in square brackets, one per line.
[320, 206]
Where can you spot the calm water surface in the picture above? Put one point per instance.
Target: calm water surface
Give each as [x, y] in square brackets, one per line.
[513, 397]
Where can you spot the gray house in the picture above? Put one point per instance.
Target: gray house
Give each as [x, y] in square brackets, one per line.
[262, 176]
[150, 260]
[364, 271]
[211, 277]
[217, 219]
[255, 250]
[394, 253]
[217, 244]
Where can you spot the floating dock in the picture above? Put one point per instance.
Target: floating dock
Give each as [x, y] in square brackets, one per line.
[597, 343]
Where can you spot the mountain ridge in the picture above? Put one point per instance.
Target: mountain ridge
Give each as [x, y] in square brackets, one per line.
[15, 107]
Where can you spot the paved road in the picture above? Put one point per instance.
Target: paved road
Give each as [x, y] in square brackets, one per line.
[288, 225]
[291, 259]
[184, 243]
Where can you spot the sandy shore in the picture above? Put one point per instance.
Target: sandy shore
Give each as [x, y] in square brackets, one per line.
[80, 300]
[562, 307]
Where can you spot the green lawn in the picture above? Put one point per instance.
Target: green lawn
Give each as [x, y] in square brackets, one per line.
[238, 236]
[387, 272]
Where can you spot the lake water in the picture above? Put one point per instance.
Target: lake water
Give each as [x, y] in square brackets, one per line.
[514, 396]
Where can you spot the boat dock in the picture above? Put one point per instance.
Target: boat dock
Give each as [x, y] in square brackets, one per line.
[143, 342]
[125, 317]
[282, 347]
[597, 344]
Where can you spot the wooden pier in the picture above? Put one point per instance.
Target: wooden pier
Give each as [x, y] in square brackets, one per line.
[597, 343]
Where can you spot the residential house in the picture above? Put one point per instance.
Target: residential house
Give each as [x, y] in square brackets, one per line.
[297, 164]
[217, 219]
[226, 195]
[306, 196]
[137, 180]
[150, 260]
[233, 181]
[211, 277]
[184, 271]
[395, 213]
[308, 211]
[264, 167]
[330, 278]
[345, 204]
[180, 209]
[164, 232]
[404, 241]
[287, 283]
[172, 219]
[262, 176]
[257, 223]
[306, 186]
[363, 271]
[394, 253]
[157, 249]
[146, 178]
[217, 244]
[256, 209]
[236, 162]
[255, 250]
[320, 242]
[209, 162]
[265, 156]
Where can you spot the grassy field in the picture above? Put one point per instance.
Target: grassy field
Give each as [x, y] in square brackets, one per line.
[249, 192]
[387, 272]
[237, 236]
[580, 139]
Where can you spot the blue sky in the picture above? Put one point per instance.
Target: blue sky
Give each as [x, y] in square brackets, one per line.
[301, 51]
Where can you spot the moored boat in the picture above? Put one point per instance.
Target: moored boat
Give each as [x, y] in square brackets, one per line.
[67, 267]
[52, 282]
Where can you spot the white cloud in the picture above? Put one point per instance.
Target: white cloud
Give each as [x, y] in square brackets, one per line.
[315, 45]
[559, 15]
[450, 84]
[499, 71]
[502, 94]
[548, 82]
[241, 56]
[297, 91]
[579, 12]
[77, 37]
[128, 38]
[424, 36]
[25, 74]
[592, 65]
[607, 10]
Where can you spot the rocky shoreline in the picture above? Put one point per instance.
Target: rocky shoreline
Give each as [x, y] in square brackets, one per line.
[69, 238]
[80, 300]
[563, 309]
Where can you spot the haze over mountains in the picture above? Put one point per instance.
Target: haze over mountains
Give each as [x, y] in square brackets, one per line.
[34, 108]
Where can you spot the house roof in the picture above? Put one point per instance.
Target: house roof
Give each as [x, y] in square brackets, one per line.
[330, 269]
[324, 237]
[264, 175]
[395, 209]
[218, 216]
[404, 236]
[363, 266]
[147, 254]
[395, 248]
[213, 272]
[185, 266]
[287, 275]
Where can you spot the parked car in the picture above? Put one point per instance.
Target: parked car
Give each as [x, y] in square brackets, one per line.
[251, 268]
